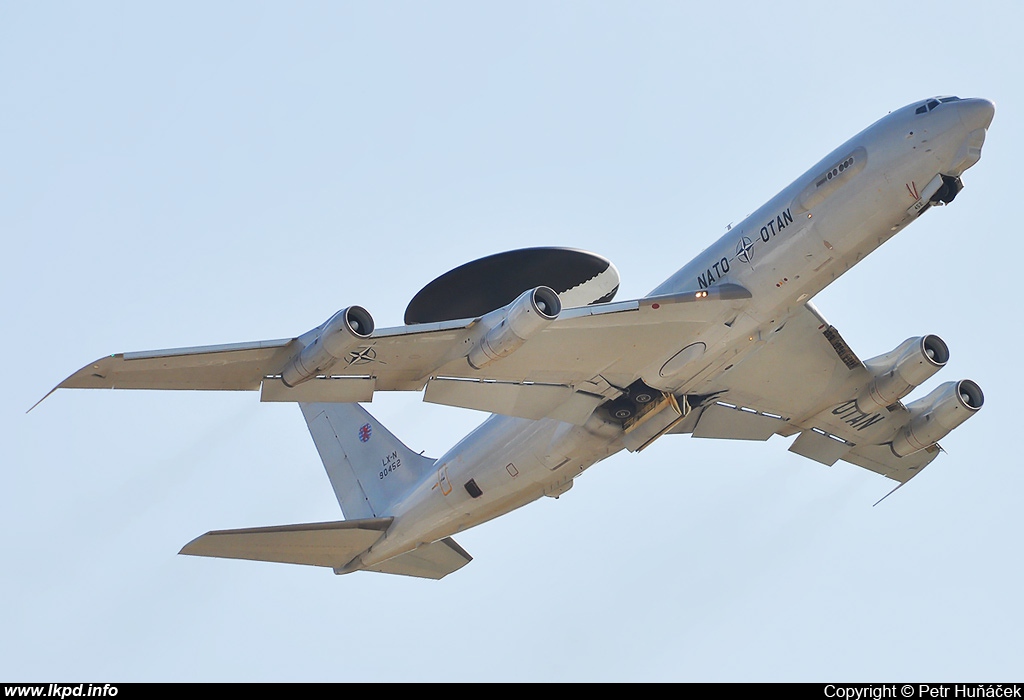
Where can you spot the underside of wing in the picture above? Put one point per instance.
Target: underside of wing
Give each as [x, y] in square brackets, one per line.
[562, 367]
[236, 367]
[806, 381]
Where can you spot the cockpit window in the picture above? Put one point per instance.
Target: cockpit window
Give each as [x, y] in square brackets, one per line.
[933, 103]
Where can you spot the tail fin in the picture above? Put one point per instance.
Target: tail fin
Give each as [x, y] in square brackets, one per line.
[369, 468]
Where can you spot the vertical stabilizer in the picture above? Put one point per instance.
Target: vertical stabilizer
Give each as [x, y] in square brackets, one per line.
[369, 468]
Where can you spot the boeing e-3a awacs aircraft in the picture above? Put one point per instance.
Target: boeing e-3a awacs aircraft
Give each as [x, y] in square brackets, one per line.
[728, 347]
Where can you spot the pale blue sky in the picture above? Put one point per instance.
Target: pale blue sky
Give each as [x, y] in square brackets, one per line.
[199, 173]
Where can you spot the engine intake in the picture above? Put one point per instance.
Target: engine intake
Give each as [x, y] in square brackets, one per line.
[897, 373]
[334, 338]
[936, 415]
[513, 325]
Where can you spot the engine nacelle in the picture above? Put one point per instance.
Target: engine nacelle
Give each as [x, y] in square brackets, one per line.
[513, 325]
[333, 339]
[934, 416]
[896, 373]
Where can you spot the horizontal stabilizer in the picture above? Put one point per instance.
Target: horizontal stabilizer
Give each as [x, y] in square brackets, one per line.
[332, 544]
[435, 560]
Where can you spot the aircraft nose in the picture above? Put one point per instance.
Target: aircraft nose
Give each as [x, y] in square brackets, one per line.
[976, 113]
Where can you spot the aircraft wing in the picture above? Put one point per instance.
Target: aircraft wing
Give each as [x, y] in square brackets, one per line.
[585, 356]
[805, 381]
[235, 367]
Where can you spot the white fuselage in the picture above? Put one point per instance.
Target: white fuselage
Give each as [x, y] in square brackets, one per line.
[784, 253]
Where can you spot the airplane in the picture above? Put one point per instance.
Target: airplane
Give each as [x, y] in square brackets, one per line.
[728, 347]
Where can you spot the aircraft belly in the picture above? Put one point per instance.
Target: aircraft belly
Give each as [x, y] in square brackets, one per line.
[542, 454]
[509, 463]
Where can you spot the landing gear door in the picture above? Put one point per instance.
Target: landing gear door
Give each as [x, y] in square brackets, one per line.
[654, 420]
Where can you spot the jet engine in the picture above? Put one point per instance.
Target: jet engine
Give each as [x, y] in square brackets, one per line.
[513, 325]
[896, 373]
[333, 339]
[934, 416]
